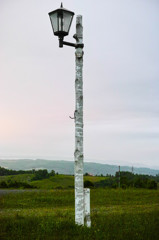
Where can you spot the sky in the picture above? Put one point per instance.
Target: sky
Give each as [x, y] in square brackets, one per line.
[120, 75]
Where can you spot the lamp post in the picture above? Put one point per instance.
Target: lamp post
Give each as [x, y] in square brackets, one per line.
[61, 20]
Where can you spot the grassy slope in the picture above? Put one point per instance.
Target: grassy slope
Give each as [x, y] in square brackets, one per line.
[61, 181]
[49, 214]
[20, 178]
[58, 181]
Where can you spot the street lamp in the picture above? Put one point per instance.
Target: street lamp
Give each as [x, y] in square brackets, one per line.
[61, 20]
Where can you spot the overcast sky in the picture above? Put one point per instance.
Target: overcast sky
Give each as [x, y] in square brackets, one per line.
[121, 82]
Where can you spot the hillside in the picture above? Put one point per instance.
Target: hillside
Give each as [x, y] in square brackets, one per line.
[56, 182]
[67, 167]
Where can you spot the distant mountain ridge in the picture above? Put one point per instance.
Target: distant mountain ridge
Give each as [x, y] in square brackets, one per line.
[67, 167]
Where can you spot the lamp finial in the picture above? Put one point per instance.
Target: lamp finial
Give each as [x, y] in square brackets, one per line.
[61, 5]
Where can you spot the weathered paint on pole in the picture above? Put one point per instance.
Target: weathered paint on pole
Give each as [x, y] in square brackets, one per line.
[79, 193]
[87, 207]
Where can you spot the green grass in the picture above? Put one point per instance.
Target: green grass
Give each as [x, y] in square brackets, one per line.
[49, 214]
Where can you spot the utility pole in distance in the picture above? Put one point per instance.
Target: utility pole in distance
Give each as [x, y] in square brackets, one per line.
[119, 176]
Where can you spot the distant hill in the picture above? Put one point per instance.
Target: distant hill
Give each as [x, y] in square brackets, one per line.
[67, 167]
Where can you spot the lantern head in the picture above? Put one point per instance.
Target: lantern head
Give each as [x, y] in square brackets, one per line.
[61, 20]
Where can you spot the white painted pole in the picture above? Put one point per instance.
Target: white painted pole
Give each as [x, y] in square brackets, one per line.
[87, 207]
[79, 193]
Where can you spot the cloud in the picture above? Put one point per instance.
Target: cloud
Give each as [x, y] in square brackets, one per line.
[121, 85]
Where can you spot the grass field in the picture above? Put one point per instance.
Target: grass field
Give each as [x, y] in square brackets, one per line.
[49, 214]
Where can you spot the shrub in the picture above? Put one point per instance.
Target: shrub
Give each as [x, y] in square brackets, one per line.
[86, 174]
[41, 174]
[152, 184]
[52, 173]
[3, 184]
[15, 184]
[108, 182]
[88, 184]
[123, 186]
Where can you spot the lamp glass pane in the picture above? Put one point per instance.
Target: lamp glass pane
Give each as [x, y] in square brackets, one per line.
[54, 21]
[60, 20]
[67, 17]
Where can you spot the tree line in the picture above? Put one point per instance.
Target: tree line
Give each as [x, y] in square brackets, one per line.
[126, 179]
[38, 174]
[6, 172]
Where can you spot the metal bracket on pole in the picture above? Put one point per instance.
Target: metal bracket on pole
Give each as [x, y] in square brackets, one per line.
[75, 45]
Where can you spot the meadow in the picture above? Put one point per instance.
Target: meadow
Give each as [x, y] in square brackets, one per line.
[49, 214]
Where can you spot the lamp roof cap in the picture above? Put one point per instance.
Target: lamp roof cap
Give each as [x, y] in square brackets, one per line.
[61, 9]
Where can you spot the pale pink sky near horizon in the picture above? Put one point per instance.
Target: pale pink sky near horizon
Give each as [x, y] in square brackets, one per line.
[121, 82]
